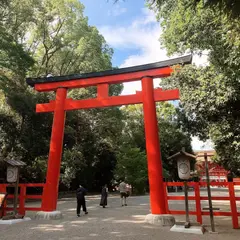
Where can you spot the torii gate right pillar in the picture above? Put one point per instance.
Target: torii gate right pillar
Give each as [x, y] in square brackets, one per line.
[155, 171]
[157, 194]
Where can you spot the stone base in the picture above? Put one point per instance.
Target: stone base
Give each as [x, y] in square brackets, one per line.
[12, 221]
[192, 229]
[49, 215]
[160, 220]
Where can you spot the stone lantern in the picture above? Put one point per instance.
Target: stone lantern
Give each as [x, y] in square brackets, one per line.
[13, 168]
[183, 163]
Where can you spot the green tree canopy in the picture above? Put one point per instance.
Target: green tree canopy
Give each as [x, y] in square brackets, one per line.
[172, 140]
[230, 7]
[210, 95]
[51, 36]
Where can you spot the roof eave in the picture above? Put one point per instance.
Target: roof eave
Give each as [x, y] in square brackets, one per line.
[167, 63]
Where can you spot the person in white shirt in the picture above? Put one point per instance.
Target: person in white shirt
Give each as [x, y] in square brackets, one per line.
[123, 193]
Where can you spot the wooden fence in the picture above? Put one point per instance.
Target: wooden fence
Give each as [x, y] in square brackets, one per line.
[22, 197]
[234, 214]
[197, 198]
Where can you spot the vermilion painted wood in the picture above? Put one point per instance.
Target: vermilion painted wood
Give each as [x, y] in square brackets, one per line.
[180, 198]
[26, 197]
[32, 184]
[154, 161]
[166, 199]
[198, 202]
[215, 198]
[179, 212]
[102, 91]
[25, 209]
[114, 79]
[232, 198]
[50, 191]
[102, 80]
[4, 190]
[22, 198]
[202, 184]
[34, 197]
[172, 184]
[159, 95]
[4, 185]
[233, 205]
[33, 209]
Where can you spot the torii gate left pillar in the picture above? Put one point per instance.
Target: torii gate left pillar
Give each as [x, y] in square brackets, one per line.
[50, 191]
[148, 96]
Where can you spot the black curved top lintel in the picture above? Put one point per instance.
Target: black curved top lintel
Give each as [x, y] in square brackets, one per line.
[181, 60]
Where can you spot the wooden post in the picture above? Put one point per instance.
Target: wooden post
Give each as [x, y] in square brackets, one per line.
[233, 205]
[3, 188]
[23, 190]
[198, 202]
[187, 223]
[166, 197]
[16, 194]
[209, 194]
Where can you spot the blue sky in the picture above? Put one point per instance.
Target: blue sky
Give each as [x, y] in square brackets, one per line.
[131, 29]
[123, 25]
[105, 14]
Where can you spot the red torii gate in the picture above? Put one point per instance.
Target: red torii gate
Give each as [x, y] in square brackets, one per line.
[148, 96]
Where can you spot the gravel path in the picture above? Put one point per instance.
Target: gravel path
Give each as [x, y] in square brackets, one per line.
[114, 222]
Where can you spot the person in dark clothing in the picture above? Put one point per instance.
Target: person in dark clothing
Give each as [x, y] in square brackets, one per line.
[81, 202]
[104, 196]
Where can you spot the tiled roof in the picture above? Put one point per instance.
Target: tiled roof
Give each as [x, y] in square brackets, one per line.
[16, 163]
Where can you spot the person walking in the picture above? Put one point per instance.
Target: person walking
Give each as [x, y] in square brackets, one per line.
[81, 202]
[123, 193]
[104, 196]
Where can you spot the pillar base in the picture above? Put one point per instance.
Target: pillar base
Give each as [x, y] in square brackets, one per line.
[12, 221]
[54, 215]
[160, 219]
[192, 229]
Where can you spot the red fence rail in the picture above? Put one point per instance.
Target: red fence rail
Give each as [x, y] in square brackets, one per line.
[22, 197]
[197, 197]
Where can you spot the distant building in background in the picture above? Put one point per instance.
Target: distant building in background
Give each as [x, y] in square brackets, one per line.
[216, 172]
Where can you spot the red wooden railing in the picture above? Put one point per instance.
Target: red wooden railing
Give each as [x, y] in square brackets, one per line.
[22, 197]
[197, 197]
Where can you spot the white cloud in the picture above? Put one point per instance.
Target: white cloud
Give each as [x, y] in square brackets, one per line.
[200, 145]
[142, 35]
[201, 60]
[149, 17]
[117, 11]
